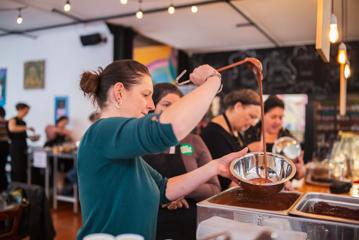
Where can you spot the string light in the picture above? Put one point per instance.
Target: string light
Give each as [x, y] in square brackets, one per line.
[123, 2]
[342, 53]
[139, 13]
[171, 9]
[19, 17]
[333, 32]
[67, 6]
[194, 9]
[347, 70]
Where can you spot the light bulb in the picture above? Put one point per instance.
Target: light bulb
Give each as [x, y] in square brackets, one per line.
[333, 31]
[124, 2]
[19, 19]
[347, 70]
[194, 9]
[171, 9]
[139, 14]
[67, 6]
[342, 53]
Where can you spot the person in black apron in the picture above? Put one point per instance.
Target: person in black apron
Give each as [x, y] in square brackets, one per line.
[222, 135]
[18, 145]
[58, 134]
[189, 154]
[4, 149]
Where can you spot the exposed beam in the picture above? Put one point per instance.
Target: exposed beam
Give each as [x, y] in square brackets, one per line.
[239, 25]
[55, 10]
[105, 18]
[272, 40]
[18, 33]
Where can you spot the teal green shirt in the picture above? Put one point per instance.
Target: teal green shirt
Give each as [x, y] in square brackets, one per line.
[119, 191]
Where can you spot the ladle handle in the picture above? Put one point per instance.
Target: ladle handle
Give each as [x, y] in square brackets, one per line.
[254, 61]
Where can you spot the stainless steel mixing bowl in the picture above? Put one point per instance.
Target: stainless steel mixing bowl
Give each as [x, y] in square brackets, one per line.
[288, 147]
[251, 166]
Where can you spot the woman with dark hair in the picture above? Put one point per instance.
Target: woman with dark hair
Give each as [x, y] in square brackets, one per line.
[58, 134]
[273, 119]
[119, 191]
[190, 154]
[222, 135]
[4, 149]
[18, 145]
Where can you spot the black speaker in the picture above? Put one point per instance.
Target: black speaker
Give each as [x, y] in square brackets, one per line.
[92, 39]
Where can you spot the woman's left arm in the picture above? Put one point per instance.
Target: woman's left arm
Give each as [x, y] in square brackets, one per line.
[180, 186]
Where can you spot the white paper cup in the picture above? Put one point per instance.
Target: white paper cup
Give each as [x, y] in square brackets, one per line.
[129, 236]
[99, 236]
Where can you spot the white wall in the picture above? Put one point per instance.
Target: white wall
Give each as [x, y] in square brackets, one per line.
[65, 60]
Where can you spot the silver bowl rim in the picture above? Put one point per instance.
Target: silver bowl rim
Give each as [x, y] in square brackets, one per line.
[231, 168]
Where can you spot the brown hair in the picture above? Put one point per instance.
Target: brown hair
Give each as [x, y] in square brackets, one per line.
[96, 84]
[272, 102]
[244, 96]
[21, 105]
[160, 90]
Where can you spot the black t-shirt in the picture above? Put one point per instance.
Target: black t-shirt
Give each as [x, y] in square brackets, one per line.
[253, 134]
[18, 138]
[220, 143]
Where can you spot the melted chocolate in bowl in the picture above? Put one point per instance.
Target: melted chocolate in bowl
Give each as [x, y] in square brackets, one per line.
[323, 208]
[260, 180]
[239, 198]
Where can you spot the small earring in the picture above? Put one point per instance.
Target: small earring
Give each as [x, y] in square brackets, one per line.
[118, 104]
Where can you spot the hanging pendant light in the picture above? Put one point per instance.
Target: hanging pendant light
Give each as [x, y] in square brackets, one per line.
[333, 32]
[19, 18]
[347, 70]
[124, 2]
[342, 53]
[194, 9]
[171, 9]
[139, 13]
[67, 6]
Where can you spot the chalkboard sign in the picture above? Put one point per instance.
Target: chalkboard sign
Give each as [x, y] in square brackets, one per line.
[286, 70]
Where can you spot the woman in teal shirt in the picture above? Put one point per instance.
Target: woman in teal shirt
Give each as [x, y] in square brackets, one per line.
[119, 191]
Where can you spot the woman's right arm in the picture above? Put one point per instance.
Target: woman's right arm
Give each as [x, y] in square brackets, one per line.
[16, 128]
[187, 112]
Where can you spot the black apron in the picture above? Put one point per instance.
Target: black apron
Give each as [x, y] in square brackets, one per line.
[18, 153]
[180, 223]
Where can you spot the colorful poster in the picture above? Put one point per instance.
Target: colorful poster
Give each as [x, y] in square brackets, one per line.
[61, 107]
[161, 61]
[2, 86]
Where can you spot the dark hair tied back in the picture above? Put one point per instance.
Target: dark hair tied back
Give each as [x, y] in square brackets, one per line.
[97, 84]
[89, 83]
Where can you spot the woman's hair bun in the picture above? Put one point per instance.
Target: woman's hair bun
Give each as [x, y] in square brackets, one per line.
[90, 81]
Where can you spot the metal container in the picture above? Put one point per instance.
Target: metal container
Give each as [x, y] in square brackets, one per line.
[251, 166]
[315, 229]
[237, 198]
[305, 206]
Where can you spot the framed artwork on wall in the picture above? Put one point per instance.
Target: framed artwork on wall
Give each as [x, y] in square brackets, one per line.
[61, 107]
[2, 86]
[34, 74]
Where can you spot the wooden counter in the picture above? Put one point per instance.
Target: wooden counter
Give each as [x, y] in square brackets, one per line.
[354, 191]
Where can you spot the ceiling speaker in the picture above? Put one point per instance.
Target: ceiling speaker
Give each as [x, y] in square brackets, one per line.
[92, 39]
